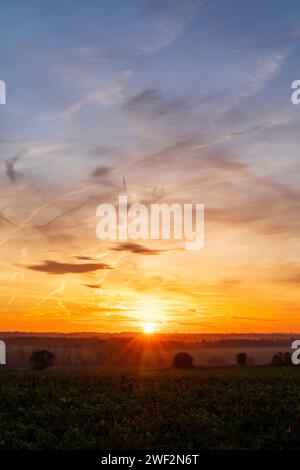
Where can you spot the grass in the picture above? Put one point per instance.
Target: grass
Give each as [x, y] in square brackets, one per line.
[230, 408]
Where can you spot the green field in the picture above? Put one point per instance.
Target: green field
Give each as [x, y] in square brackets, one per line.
[231, 408]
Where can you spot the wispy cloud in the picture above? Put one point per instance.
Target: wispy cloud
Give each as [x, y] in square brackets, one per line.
[54, 267]
[101, 97]
[153, 104]
[92, 286]
[170, 18]
[102, 172]
[136, 249]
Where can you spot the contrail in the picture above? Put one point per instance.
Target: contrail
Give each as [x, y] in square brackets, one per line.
[10, 302]
[55, 292]
[124, 184]
[38, 209]
[4, 219]
[66, 212]
[235, 135]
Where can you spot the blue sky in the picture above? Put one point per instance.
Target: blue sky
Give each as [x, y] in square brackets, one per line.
[189, 100]
[202, 54]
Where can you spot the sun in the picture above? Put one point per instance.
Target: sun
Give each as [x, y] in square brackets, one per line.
[148, 328]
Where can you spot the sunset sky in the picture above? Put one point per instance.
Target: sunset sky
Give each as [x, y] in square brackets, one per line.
[187, 101]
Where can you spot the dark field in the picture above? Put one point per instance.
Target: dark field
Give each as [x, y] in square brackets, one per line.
[233, 408]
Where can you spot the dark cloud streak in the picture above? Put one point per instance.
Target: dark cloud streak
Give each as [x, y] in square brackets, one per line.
[54, 267]
[137, 249]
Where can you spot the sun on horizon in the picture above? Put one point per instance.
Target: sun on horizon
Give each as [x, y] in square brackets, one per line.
[149, 328]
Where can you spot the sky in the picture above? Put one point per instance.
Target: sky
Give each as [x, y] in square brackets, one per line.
[184, 101]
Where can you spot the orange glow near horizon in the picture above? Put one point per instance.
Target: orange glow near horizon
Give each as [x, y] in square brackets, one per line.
[167, 290]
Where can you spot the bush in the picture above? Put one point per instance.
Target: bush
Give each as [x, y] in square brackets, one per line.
[183, 360]
[282, 359]
[241, 359]
[43, 359]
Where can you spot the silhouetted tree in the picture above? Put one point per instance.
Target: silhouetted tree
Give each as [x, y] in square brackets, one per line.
[282, 359]
[277, 359]
[287, 359]
[241, 359]
[43, 359]
[183, 360]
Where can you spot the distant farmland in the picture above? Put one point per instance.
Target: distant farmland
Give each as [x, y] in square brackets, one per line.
[138, 352]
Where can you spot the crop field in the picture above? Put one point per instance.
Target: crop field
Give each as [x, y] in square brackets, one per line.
[229, 408]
